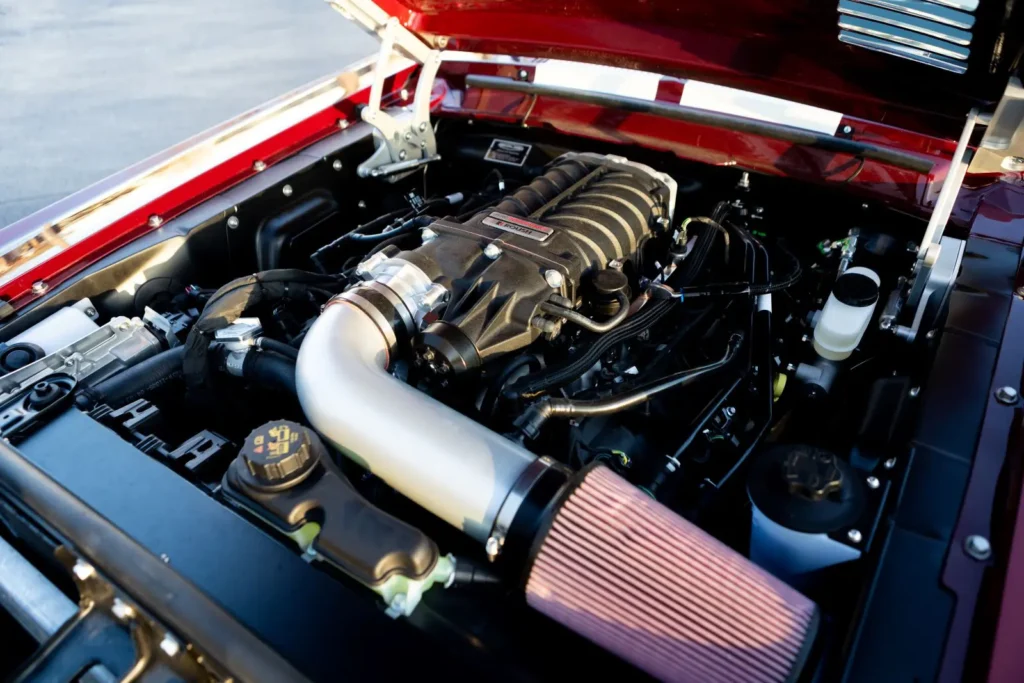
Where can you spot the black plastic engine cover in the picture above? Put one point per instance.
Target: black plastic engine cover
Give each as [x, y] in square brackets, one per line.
[502, 264]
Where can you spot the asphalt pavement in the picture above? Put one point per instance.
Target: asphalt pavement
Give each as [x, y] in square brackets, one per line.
[88, 87]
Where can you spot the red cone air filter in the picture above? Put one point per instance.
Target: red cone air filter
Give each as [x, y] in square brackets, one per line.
[627, 573]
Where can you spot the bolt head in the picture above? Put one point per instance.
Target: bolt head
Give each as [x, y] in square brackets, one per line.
[442, 42]
[889, 464]
[492, 547]
[343, 124]
[847, 129]
[423, 126]
[804, 338]
[83, 570]
[121, 610]
[40, 287]
[554, 279]
[402, 154]
[1015, 164]
[155, 221]
[492, 251]
[287, 190]
[914, 392]
[233, 222]
[855, 536]
[873, 482]
[361, 204]
[1007, 395]
[259, 166]
[337, 165]
[170, 646]
[978, 547]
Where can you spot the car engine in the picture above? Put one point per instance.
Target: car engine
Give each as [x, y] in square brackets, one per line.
[647, 403]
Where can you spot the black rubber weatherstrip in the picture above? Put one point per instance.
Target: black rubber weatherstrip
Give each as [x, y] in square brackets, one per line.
[775, 131]
[155, 585]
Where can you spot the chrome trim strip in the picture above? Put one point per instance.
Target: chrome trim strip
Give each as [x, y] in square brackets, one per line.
[923, 10]
[962, 5]
[904, 51]
[875, 21]
[897, 35]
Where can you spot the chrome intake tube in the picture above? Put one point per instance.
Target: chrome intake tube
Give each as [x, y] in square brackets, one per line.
[442, 460]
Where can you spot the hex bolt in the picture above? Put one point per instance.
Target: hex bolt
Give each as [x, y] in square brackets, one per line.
[1007, 395]
[402, 154]
[847, 129]
[492, 547]
[889, 464]
[233, 222]
[83, 570]
[523, 74]
[492, 251]
[121, 610]
[423, 126]
[554, 278]
[259, 166]
[170, 646]
[155, 221]
[854, 535]
[287, 190]
[408, 137]
[873, 482]
[40, 287]
[729, 411]
[978, 547]
[91, 312]
[914, 392]
[337, 165]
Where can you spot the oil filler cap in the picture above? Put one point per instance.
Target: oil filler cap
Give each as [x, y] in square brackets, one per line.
[280, 454]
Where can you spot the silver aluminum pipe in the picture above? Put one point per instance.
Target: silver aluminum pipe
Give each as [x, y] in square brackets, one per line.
[447, 463]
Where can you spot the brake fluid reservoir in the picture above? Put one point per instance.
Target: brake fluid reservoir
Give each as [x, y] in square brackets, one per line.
[847, 313]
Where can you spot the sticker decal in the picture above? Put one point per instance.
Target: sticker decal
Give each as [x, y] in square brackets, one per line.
[533, 231]
[507, 152]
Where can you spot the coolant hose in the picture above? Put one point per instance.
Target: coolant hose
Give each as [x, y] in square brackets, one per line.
[530, 422]
[136, 381]
[442, 460]
[270, 370]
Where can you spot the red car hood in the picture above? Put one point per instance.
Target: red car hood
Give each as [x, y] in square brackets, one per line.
[934, 59]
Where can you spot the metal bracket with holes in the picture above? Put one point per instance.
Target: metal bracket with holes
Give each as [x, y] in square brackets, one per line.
[404, 138]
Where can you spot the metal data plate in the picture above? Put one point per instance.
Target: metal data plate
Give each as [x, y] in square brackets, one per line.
[114, 346]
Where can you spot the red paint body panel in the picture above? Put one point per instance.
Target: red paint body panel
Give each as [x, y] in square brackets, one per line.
[785, 48]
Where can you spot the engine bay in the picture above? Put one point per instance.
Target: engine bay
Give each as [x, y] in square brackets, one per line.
[434, 387]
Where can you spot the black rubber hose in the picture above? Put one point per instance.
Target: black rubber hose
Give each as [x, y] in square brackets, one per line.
[278, 347]
[270, 370]
[136, 381]
[530, 422]
[553, 377]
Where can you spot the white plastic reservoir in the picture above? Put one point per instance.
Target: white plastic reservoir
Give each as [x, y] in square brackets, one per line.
[847, 313]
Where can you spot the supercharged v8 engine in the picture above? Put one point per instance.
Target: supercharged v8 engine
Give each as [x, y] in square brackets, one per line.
[651, 410]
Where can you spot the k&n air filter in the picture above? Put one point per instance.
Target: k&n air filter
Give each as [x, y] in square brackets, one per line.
[635, 578]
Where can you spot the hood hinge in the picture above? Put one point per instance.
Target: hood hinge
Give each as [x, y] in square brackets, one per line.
[938, 257]
[404, 137]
